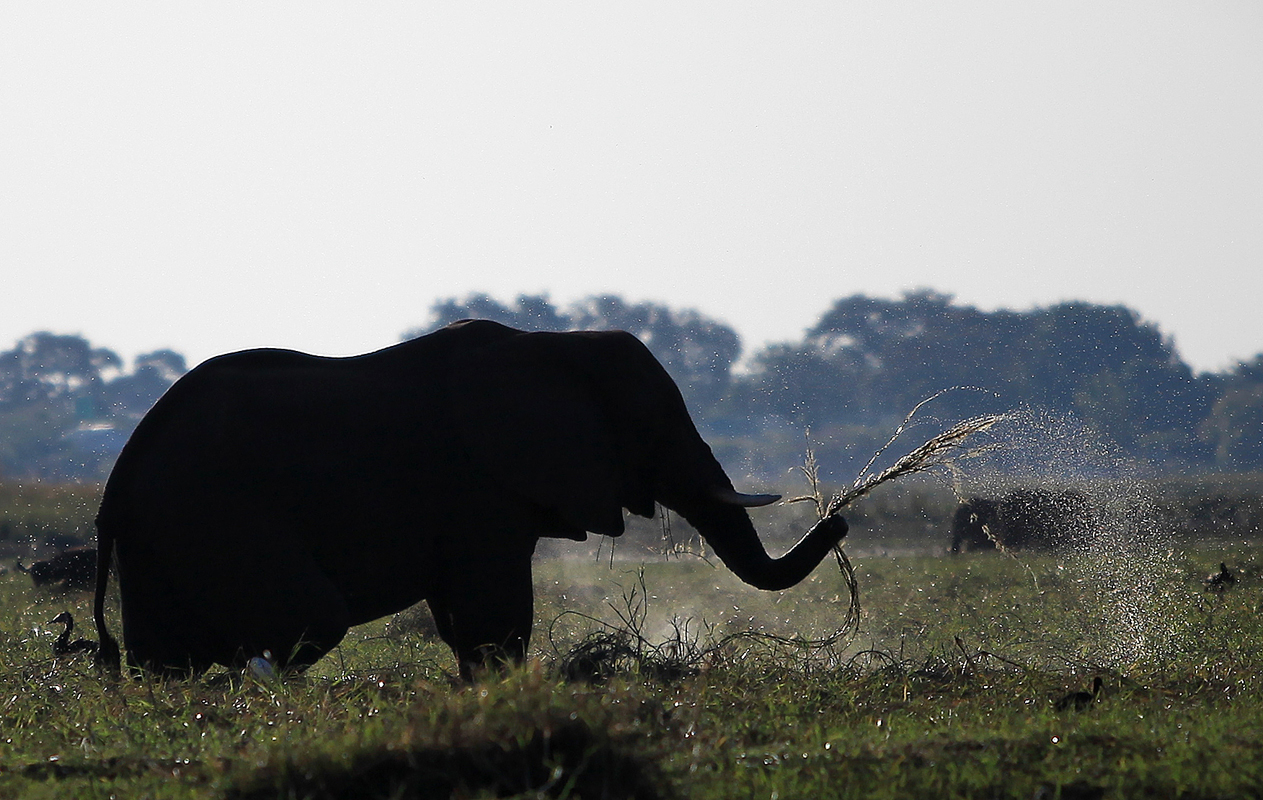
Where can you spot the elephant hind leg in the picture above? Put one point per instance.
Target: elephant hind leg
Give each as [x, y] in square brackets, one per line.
[294, 630]
[486, 621]
[229, 605]
[168, 666]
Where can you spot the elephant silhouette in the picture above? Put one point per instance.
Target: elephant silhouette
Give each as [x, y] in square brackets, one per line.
[271, 499]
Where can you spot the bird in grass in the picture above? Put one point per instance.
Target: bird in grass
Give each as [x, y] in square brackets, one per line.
[1219, 581]
[63, 646]
[1081, 701]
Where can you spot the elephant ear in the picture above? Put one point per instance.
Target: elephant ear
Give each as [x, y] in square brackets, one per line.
[535, 418]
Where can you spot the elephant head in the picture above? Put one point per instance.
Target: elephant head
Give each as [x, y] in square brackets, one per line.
[590, 423]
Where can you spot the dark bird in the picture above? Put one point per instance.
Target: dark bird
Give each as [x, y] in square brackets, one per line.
[72, 570]
[63, 646]
[1219, 581]
[1080, 701]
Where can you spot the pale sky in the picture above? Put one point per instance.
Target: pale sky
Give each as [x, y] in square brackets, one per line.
[215, 176]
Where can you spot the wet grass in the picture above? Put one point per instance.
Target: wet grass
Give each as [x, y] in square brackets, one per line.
[947, 690]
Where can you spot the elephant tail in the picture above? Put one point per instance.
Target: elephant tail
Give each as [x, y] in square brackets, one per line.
[107, 654]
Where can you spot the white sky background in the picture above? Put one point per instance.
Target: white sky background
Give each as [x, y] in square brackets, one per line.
[213, 176]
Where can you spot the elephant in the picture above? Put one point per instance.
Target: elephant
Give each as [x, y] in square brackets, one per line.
[974, 525]
[71, 569]
[272, 499]
[1034, 519]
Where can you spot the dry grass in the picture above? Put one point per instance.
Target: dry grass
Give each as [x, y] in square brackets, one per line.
[943, 452]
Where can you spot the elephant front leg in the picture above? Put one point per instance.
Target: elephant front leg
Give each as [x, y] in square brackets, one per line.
[485, 614]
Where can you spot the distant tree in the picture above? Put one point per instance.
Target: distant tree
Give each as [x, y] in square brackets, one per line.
[32, 443]
[66, 406]
[1247, 372]
[871, 360]
[130, 396]
[809, 385]
[1116, 372]
[46, 366]
[167, 365]
[1233, 429]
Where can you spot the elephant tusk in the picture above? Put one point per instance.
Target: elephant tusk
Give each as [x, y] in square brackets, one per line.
[734, 498]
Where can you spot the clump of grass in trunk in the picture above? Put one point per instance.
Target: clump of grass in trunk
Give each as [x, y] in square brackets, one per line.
[941, 453]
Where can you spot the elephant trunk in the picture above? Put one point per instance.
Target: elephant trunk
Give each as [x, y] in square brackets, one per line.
[695, 486]
[731, 535]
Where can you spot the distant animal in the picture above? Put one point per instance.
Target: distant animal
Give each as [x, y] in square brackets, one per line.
[1081, 701]
[271, 499]
[63, 646]
[1033, 519]
[61, 541]
[73, 569]
[975, 525]
[1219, 582]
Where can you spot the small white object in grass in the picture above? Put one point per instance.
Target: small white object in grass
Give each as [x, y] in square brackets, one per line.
[262, 668]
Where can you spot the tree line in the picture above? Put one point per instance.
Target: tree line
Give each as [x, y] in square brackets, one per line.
[66, 407]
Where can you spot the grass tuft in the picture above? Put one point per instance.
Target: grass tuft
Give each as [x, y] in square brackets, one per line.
[554, 757]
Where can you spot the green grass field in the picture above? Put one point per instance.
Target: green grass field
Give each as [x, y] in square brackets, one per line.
[946, 688]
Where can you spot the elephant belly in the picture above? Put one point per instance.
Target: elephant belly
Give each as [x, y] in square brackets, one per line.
[376, 572]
